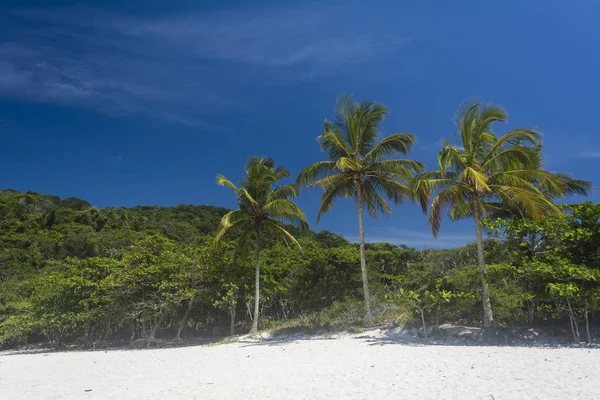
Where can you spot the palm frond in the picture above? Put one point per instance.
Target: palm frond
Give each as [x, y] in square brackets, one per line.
[245, 196]
[222, 181]
[465, 120]
[531, 204]
[388, 146]
[333, 142]
[398, 168]
[560, 185]
[261, 201]
[490, 114]
[516, 157]
[347, 164]
[451, 157]
[287, 211]
[475, 179]
[370, 116]
[425, 185]
[443, 203]
[461, 210]
[283, 192]
[315, 172]
[517, 138]
[373, 201]
[282, 233]
[340, 186]
[324, 183]
[393, 189]
[230, 219]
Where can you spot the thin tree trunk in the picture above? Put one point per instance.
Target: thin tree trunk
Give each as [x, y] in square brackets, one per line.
[587, 327]
[86, 335]
[105, 338]
[488, 316]
[530, 311]
[249, 310]
[256, 287]
[144, 328]
[363, 261]
[184, 319]
[232, 323]
[573, 320]
[132, 329]
[163, 315]
[423, 320]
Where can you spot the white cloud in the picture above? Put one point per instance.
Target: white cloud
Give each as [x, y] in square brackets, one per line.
[284, 37]
[177, 68]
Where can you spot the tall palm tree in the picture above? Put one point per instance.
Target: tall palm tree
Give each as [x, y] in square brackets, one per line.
[361, 167]
[486, 175]
[263, 207]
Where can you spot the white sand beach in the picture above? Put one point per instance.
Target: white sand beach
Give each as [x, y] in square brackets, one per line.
[344, 367]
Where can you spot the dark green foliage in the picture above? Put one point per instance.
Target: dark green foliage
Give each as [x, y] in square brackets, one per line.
[87, 276]
[557, 264]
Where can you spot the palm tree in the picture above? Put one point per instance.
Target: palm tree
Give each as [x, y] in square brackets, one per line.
[262, 209]
[359, 167]
[486, 175]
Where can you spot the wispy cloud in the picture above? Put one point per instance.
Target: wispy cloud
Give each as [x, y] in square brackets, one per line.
[417, 239]
[283, 38]
[177, 68]
[591, 154]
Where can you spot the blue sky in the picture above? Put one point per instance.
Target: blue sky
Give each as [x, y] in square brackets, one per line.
[145, 102]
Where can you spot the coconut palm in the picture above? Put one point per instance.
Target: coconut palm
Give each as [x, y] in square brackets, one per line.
[263, 207]
[361, 167]
[488, 175]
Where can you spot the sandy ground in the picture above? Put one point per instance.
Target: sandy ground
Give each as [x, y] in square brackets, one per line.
[347, 367]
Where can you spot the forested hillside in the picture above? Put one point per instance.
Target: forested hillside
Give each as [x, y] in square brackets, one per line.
[73, 273]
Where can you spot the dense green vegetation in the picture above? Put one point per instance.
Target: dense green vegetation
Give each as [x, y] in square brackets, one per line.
[73, 273]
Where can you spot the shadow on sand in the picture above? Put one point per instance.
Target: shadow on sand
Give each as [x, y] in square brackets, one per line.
[376, 336]
[501, 337]
[139, 344]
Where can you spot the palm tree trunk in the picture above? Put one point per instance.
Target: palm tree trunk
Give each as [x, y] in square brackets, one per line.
[256, 286]
[488, 316]
[363, 261]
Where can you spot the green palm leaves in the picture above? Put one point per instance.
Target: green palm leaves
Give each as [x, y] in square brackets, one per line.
[361, 167]
[485, 174]
[358, 162]
[263, 207]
